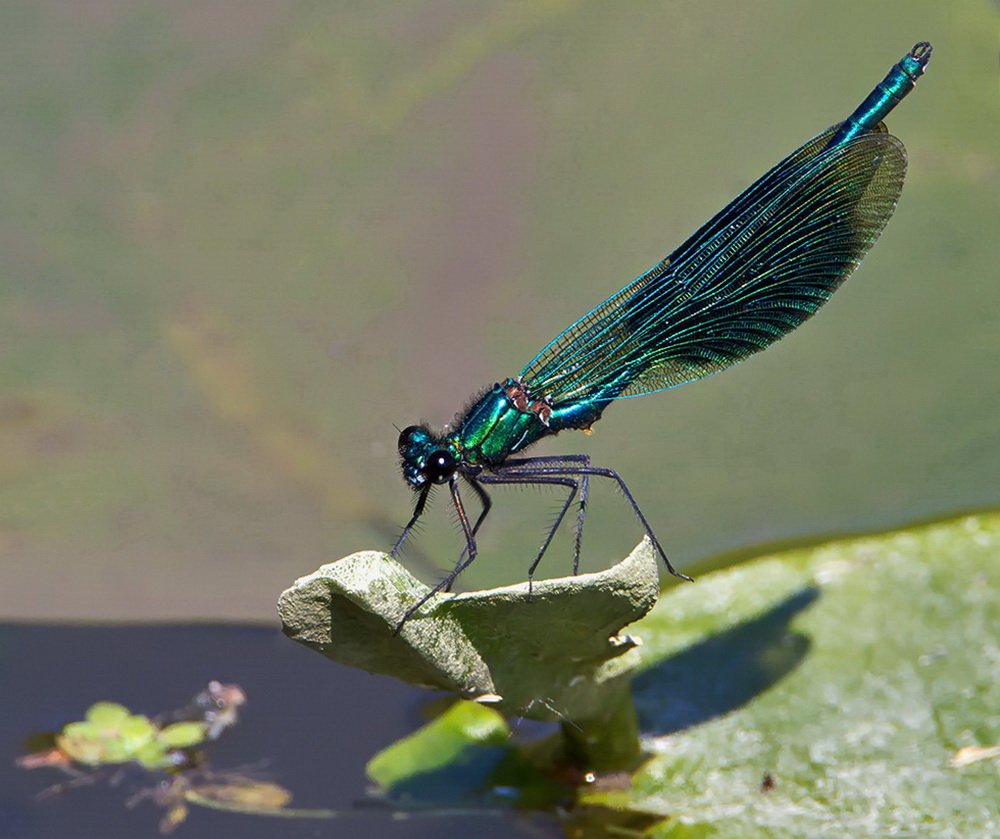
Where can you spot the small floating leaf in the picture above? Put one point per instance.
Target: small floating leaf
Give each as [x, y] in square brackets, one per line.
[135, 732]
[182, 735]
[107, 714]
[82, 742]
[153, 755]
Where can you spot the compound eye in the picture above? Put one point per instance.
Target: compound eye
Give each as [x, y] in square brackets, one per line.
[440, 466]
[407, 434]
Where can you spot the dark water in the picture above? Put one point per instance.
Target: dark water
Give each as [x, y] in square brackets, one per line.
[312, 723]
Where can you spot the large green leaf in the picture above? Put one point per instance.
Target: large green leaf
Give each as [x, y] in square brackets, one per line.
[849, 675]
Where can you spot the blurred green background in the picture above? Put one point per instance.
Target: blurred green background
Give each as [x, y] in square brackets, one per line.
[240, 241]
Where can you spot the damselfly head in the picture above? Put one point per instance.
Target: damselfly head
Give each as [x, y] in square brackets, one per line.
[423, 458]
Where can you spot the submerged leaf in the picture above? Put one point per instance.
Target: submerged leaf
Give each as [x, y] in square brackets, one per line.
[464, 756]
[440, 743]
[240, 791]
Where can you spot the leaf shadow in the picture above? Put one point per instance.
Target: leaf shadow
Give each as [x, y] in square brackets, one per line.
[723, 672]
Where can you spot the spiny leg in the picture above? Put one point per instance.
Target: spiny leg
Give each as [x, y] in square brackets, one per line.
[516, 464]
[470, 546]
[602, 472]
[529, 463]
[487, 503]
[569, 483]
[584, 485]
[418, 511]
[484, 499]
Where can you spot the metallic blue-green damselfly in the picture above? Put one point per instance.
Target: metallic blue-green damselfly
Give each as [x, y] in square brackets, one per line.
[749, 276]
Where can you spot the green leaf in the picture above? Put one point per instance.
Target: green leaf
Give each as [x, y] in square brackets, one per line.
[591, 820]
[553, 654]
[466, 753]
[152, 755]
[107, 714]
[137, 731]
[182, 735]
[852, 673]
[439, 743]
[82, 742]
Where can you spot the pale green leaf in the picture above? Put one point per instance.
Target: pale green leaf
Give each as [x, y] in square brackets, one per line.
[553, 654]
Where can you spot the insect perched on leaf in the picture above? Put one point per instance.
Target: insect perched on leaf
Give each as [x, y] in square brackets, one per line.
[750, 275]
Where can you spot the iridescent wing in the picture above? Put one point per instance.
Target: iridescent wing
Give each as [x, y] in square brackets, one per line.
[752, 274]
